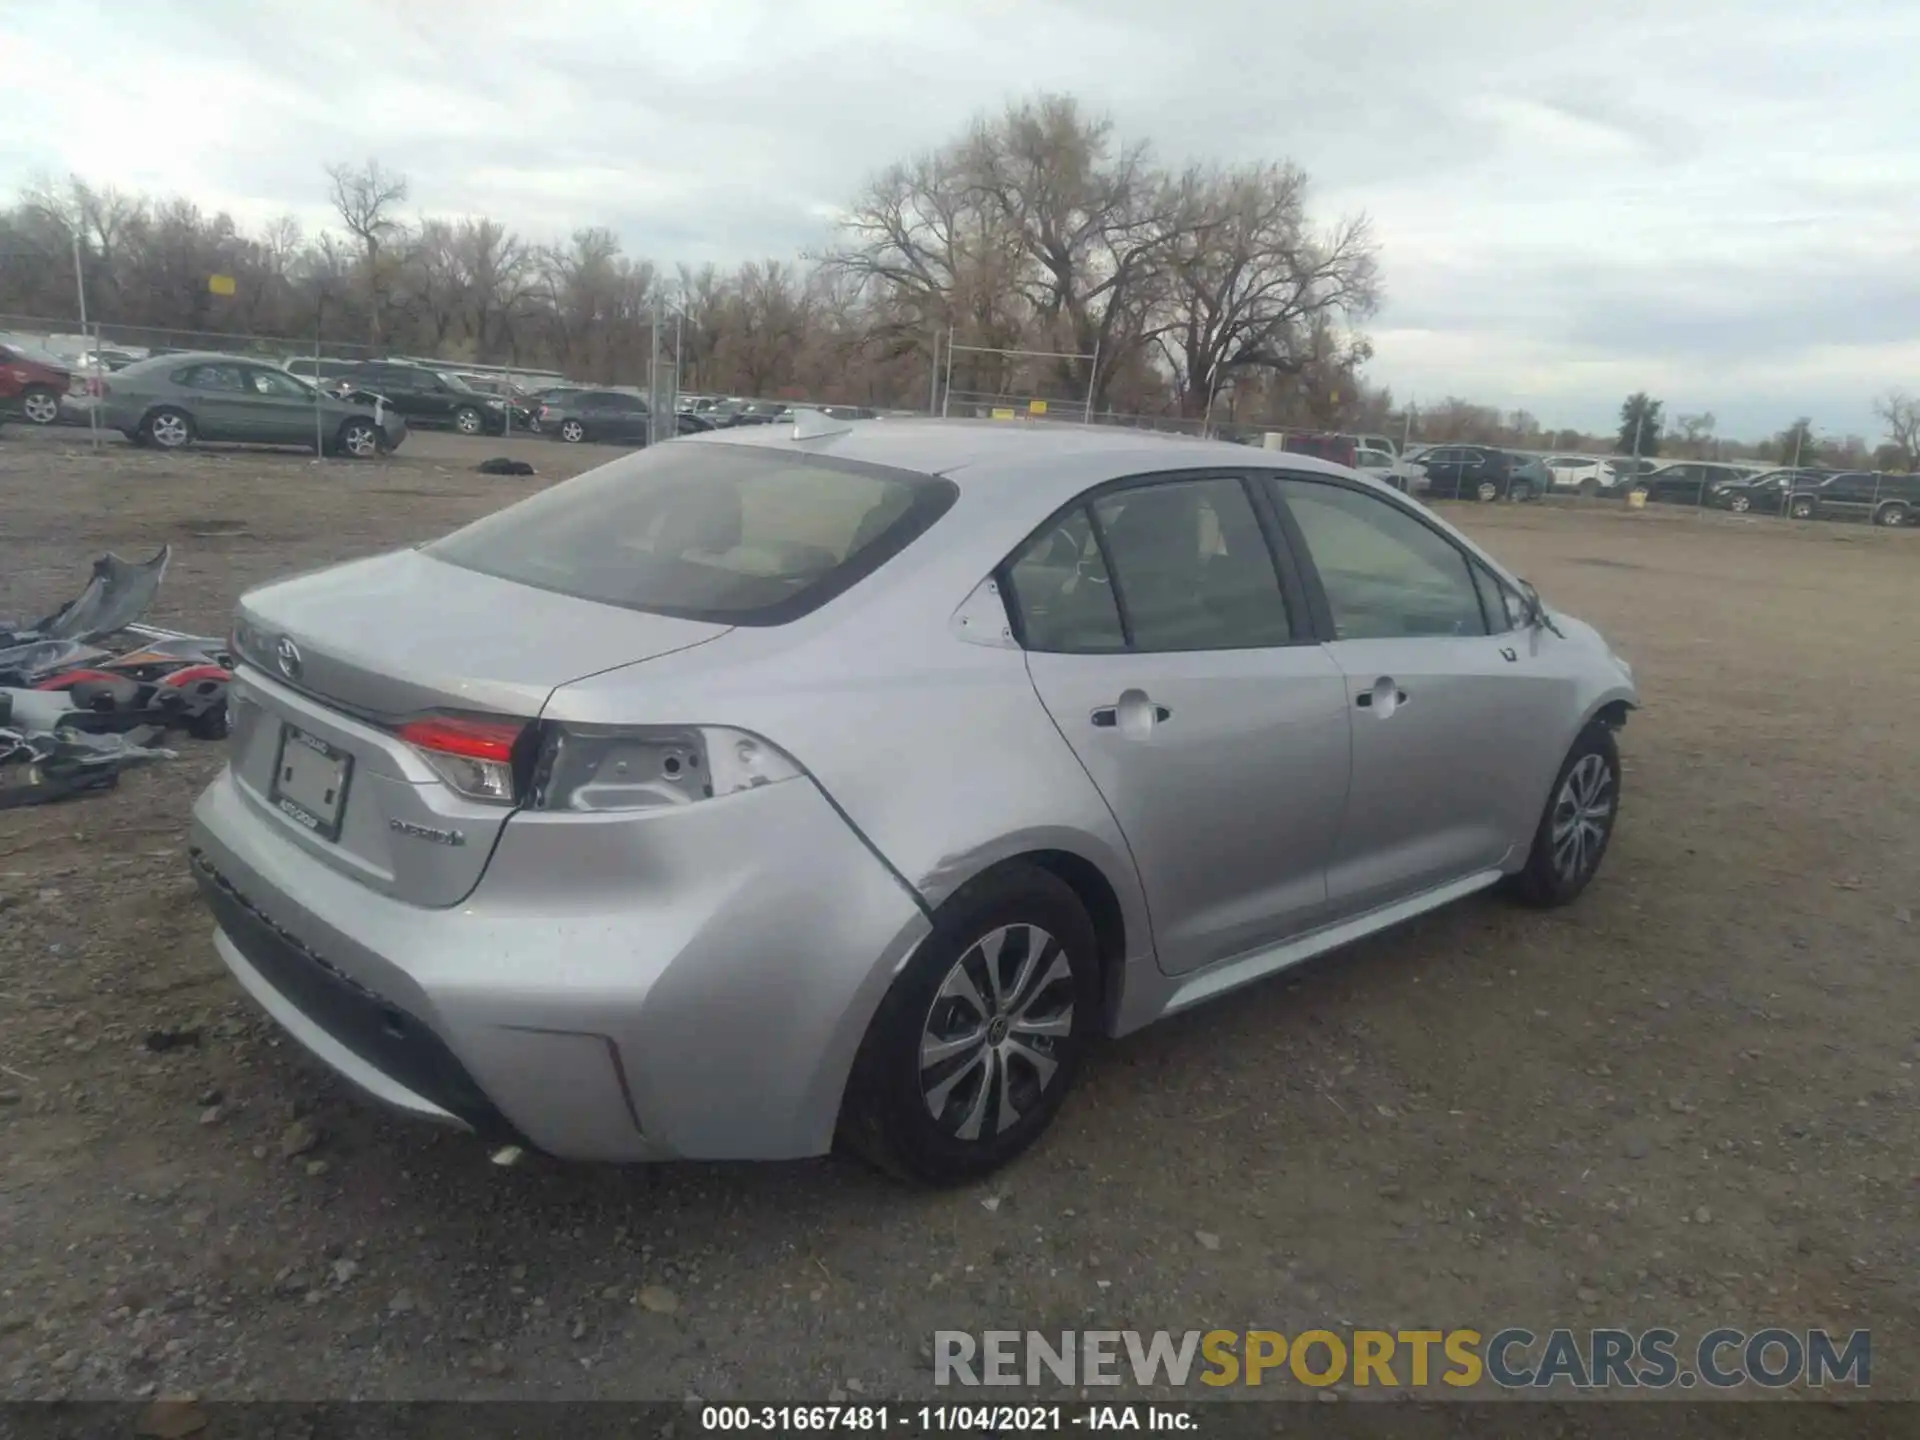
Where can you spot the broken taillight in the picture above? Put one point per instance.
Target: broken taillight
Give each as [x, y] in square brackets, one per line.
[612, 767]
[473, 754]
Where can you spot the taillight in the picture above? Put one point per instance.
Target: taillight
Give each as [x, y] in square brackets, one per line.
[97, 387]
[473, 754]
[545, 412]
[609, 767]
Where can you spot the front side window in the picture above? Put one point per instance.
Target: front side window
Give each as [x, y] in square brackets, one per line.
[728, 533]
[1386, 574]
[277, 386]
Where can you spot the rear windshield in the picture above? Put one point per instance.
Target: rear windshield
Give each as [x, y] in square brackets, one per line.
[735, 534]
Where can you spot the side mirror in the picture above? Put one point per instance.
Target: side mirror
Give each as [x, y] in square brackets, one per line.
[1537, 617]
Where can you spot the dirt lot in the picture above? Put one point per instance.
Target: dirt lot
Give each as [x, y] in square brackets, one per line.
[1689, 1100]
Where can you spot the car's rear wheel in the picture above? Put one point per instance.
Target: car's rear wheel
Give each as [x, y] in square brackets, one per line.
[1487, 492]
[40, 404]
[1801, 509]
[572, 431]
[1521, 491]
[1589, 487]
[467, 420]
[360, 439]
[170, 429]
[976, 1044]
[1740, 504]
[1894, 512]
[1578, 824]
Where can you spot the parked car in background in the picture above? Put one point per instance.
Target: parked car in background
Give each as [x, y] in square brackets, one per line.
[1764, 493]
[437, 398]
[1383, 466]
[106, 359]
[1870, 495]
[170, 401]
[644, 867]
[610, 416]
[1686, 482]
[1481, 472]
[1587, 474]
[32, 381]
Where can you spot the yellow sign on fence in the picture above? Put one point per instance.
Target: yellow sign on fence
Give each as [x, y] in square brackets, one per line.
[220, 284]
[1003, 414]
[1036, 407]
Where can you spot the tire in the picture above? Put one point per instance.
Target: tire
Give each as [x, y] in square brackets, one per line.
[1486, 492]
[1520, 493]
[1552, 876]
[469, 421]
[1801, 509]
[359, 439]
[572, 431]
[1740, 504]
[40, 404]
[1034, 926]
[1894, 513]
[138, 438]
[169, 428]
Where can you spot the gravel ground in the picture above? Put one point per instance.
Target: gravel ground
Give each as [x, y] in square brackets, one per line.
[1688, 1100]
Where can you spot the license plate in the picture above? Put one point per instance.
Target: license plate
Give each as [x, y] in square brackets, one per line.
[310, 782]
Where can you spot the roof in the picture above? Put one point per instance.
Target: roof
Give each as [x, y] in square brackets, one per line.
[952, 448]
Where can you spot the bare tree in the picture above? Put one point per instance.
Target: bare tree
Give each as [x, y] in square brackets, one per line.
[1249, 279]
[366, 198]
[1900, 413]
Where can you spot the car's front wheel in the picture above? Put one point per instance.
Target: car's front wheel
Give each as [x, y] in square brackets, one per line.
[1740, 504]
[1578, 824]
[170, 429]
[40, 404]
[467, 420]
[1801, 509]
[360, 439]
[572, 431]
[1487, 492]
[975, 1046]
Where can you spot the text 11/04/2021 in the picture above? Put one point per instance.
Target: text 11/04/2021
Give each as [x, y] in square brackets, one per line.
[943, 1419]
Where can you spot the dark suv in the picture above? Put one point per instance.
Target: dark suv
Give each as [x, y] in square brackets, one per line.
[1860, 495]
[1765, 493]
[1481, 472]
[1687, 482]
[428, 397]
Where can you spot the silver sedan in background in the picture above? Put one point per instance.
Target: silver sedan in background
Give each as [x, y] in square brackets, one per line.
[844, 781]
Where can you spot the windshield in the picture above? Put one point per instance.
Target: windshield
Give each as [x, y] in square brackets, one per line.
[726, 533]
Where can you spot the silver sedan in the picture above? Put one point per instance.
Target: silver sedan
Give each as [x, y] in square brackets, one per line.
[842, 781]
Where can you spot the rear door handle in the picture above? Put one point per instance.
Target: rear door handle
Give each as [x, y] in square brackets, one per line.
[1107, 717]
[1382, 697]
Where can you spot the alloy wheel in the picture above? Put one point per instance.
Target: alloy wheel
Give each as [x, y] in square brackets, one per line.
[1740, 504]
[573, 432]
[360, 441]
[990, 1044]
[467, 422]
[1582, 818]
[1487, 492]
[169, 430]
[40, 407]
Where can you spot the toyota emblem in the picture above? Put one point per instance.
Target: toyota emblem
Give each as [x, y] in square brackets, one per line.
[287, 654]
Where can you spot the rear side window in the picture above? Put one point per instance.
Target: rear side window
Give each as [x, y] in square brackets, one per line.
[727, 533]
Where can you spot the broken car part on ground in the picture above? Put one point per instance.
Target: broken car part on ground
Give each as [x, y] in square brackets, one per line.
[75, 713]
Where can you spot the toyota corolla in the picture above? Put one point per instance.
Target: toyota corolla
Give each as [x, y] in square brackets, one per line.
[839, 781]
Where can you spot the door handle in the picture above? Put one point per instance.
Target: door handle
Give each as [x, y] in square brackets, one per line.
[1382, 697]
[1107, 717]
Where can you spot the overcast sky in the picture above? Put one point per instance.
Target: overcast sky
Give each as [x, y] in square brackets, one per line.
[1716, 200]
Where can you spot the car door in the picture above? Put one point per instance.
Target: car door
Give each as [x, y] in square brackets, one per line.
[218, 400]
[280, 410]
[1161, 639]
[1455, 717]
[1443, 470]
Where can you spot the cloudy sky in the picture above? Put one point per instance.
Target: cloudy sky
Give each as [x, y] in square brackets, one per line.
[1716, 200]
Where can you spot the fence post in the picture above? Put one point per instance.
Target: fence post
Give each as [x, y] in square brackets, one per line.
[319, 436]
[1093, 373]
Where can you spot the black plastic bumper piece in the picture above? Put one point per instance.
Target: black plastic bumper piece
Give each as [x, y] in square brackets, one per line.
[394, 1042]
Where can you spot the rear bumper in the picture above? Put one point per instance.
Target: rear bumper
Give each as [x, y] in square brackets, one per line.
[686, 984]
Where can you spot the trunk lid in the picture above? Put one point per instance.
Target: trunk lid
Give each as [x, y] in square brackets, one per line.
[333, 662]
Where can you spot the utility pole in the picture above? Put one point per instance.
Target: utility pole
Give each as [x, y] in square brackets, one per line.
[653, 374]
